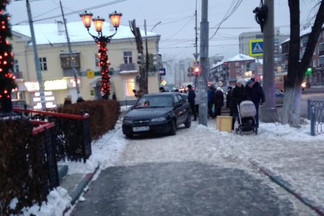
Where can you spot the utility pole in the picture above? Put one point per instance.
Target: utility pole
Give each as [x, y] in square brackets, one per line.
[269, 113]
[203, 77]
[36, 58]
[147, 58]
[196, 54]
[143, 85]
[70, 53]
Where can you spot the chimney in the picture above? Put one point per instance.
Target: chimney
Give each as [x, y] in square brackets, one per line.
[60, 27]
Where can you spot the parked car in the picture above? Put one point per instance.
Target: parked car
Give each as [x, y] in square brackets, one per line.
[157, 113]
[279, 98]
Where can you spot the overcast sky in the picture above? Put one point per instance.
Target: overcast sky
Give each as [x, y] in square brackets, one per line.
[176, 17]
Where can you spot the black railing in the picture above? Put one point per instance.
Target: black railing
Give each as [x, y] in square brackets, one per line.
[44, 133]
[316, 116]
[72, 133]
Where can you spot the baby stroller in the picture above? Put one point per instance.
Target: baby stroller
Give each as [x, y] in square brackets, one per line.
[246, 117]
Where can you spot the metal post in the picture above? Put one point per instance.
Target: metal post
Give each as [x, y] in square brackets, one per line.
[269, 111]
[202, 78]
[70, 52]
[313, 120]
[36, 58]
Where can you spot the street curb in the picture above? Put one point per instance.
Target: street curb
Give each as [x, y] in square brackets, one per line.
[288, 187]
[80, 187]
[62, 171]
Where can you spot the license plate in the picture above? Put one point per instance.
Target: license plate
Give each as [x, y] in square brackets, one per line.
[140, 129]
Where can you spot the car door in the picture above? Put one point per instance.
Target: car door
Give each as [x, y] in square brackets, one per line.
[180, 109]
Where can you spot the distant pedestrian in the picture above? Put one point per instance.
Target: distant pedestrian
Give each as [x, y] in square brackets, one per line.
[191, 100]
[256, 95]
[162, 89]
[218, 101]
[229, 99]
[210, 99]
[67, 100]
[197, 102]
[114, 96]
[238, 95]
[79, 100]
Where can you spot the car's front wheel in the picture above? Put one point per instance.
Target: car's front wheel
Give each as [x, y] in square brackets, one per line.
[129, 135]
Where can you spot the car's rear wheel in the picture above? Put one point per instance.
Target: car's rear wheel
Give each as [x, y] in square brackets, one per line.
[188, 122]
[173, 128]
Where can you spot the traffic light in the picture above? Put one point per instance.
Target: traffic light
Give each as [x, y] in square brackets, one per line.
[140, 59]
[196, 70]
[309, 71]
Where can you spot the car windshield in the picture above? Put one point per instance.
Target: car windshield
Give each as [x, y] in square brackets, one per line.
[151, 101]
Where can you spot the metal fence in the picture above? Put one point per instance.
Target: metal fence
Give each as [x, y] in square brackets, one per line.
[316, 116]
[72, 133]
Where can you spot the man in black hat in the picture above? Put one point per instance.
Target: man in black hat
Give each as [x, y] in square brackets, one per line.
[256, 95]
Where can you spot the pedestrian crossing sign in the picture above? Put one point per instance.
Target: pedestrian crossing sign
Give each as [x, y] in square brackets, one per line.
[256, 47]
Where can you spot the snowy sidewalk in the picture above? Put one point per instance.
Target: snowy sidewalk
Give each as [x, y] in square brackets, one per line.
[290, 157]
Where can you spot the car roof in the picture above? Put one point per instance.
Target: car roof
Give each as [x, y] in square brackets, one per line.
[162, 93]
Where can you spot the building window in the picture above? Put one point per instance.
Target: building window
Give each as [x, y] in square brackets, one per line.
[237, 64]
[43, 64]
[66, 62]
[128, 57]
[129, 86]
[97, 60]
[16, 66]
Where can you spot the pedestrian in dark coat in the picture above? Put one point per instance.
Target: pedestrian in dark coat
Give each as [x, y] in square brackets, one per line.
[191, 100]
[256, 95]
[238, 95]
[219, 101]
[229, 99]
[210, 97]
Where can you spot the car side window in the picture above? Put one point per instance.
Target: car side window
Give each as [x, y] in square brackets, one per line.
[176, 99]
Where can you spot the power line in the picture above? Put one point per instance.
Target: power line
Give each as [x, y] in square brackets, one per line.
[227, 15]
[74, 12]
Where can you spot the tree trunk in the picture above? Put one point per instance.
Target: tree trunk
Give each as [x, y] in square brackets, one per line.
[297, 68]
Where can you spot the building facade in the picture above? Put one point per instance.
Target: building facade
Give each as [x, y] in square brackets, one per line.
[227, 72]
[56, 69]
[316, 77]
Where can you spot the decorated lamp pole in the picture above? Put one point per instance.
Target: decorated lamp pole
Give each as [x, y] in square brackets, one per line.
[102, 42]
[7, 82]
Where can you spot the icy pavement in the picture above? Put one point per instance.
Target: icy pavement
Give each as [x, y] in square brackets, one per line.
[292, 154]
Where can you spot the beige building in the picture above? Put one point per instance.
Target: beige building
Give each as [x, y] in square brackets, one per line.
[57, 73]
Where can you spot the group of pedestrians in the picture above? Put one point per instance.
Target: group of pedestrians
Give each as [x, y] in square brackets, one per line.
[251, 91]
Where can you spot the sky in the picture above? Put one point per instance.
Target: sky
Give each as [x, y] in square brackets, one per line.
[276, 147]
[173, 20]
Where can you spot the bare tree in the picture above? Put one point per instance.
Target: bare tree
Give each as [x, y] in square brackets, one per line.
[296, 67]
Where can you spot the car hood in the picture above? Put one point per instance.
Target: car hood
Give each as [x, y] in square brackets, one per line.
[148, 112]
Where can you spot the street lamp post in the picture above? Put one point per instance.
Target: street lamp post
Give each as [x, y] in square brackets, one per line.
[102, 42]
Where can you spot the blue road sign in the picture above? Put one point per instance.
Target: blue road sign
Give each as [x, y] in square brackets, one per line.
[256, 47]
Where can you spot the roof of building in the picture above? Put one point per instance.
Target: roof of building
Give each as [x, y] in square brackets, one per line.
[49, 33]
[240, 57]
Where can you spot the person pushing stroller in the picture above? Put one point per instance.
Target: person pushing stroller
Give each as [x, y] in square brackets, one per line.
[238, 95]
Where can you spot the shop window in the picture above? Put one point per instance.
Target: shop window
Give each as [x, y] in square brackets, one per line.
[129, 86]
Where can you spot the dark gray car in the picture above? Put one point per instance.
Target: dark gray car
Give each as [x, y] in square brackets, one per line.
[157, 113]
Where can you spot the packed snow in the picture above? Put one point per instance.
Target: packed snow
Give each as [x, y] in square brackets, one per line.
[277, 147]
